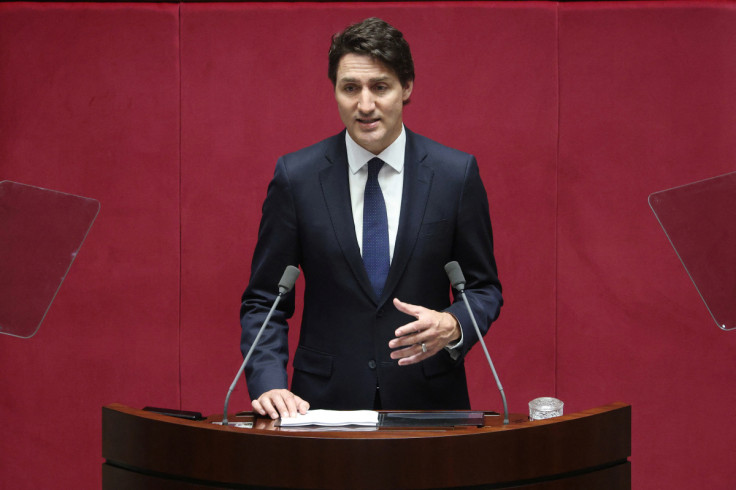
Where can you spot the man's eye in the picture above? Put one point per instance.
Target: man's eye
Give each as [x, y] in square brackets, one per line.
[349, 89]
[381, 88]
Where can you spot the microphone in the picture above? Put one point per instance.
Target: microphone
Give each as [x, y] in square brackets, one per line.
[285, 284]
[457, 279]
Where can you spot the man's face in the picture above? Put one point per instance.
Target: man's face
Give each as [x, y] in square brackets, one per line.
[370, 99]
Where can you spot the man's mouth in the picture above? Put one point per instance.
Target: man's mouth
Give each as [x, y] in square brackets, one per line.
[368, 122]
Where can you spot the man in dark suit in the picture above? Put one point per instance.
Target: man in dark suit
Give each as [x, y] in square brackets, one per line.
[370, 215]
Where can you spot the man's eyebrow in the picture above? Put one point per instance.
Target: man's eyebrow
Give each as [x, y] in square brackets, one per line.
[381, 78]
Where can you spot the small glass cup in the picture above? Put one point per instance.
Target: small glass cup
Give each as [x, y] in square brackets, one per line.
[545, 408]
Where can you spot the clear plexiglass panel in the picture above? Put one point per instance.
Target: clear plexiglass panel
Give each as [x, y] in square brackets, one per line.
[41, 232]
[700, 221]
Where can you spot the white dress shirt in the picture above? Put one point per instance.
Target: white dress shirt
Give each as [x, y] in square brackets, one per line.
[390, 179]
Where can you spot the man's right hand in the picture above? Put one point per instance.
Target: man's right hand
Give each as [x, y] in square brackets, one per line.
[280, 403]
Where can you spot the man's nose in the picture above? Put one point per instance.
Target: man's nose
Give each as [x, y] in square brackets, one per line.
[366, 102]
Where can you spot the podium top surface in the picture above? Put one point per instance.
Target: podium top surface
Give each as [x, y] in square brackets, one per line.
[263, 426]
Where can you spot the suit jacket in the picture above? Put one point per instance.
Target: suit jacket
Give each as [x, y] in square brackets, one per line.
[343, 351]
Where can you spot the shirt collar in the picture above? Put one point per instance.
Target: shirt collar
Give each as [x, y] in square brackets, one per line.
[393, 156]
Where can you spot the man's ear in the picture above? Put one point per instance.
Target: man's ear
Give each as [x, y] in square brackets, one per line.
[408, 87]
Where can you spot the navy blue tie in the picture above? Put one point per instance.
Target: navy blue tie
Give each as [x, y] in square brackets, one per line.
[376, 256]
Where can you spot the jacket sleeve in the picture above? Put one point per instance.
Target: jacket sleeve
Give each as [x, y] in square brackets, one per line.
[473, 250]
[276, 248]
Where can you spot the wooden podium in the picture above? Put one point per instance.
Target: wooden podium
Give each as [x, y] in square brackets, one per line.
[585, 450]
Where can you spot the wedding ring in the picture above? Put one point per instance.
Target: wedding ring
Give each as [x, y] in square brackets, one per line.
[424, 347]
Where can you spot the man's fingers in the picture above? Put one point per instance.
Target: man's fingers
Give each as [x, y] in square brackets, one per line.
[409, 360]
[405, 352]
[407, 308]
[258, 407]
[424, 337]
[279, 403]
[287, 407]
[270, 404]
[301, 405]
[410, 336]
[413, 354]
[414, 332]
[264, 406]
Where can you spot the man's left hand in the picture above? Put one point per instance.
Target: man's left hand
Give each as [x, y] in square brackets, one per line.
[427, 335]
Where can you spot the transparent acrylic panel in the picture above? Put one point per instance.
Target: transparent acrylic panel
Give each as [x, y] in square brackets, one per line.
[700, 221]
[41, 232]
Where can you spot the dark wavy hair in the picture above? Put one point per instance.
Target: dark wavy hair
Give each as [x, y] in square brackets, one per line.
[377, 39]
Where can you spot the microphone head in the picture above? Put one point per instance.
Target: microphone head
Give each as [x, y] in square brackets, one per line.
[456, 275]
[288, 279]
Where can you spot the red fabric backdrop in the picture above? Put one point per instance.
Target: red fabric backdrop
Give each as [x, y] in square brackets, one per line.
[173, 117]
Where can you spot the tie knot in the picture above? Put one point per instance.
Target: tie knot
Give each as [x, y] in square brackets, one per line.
[374, 166]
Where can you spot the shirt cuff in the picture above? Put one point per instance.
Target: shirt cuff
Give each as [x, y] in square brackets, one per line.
[454, 349]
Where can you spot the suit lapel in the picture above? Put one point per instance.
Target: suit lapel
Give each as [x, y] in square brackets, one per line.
[417, 183]
[336, 192]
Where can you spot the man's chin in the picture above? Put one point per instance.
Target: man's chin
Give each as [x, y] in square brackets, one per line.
[369, 140]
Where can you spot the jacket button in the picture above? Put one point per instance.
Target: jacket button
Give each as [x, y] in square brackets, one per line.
[372, 364]
[379, 313]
